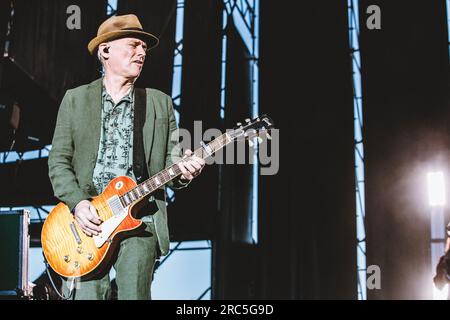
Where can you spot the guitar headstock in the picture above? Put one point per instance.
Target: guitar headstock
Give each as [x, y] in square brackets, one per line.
[251, 128]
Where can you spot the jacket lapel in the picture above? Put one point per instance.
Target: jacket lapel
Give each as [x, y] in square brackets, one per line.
[94, 109]
[149, 128]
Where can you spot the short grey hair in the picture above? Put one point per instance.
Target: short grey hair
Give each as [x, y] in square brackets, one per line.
[100, 57]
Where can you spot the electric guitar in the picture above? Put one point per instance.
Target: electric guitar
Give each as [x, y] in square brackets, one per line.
[71, 253]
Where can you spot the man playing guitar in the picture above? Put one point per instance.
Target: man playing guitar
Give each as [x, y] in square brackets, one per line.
[109, 128]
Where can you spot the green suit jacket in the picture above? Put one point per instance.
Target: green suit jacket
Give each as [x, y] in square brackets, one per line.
[76, 140]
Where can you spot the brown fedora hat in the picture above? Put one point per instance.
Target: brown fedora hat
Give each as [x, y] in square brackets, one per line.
[117, 27]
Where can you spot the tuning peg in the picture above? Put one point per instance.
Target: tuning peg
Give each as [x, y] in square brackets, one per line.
[269, 137]
[250, 143]
[239, 124]
[247, 120]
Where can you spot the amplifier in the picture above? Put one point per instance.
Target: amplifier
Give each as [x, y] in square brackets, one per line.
[14, 245]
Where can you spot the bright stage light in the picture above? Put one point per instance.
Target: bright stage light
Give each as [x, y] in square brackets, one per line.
[436, 189]
[440, 294]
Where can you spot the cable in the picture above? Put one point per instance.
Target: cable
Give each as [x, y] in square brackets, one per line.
[61, 295]
[12, 145]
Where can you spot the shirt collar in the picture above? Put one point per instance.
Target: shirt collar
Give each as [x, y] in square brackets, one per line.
[128, 97]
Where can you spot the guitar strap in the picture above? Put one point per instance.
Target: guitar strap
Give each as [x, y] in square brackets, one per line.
[140, 112]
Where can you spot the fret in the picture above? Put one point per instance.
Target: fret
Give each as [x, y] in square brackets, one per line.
[227, 139]
[199, 153]
[214, 145]
[138, 192]
[155, 181]
[177, 169]
[164, 177]
[168, 176]
[147, 186]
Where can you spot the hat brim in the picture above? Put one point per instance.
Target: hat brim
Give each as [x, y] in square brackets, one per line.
[150, 39]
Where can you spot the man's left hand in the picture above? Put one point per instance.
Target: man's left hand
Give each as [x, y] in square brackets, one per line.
[191, 166]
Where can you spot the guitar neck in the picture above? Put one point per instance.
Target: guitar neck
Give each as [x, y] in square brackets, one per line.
[168, 174]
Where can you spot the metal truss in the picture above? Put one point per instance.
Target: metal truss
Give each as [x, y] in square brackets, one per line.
[178, 58]
[247, 10]
[353, 24]
[176, 98]
[177, 71]
[245, 14]
[111, 8]
[13, 156]
[37, 213]
[178, 248]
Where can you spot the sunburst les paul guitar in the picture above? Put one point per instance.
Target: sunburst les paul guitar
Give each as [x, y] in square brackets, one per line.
[71, 253]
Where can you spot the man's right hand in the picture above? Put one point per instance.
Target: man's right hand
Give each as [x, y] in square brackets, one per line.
[87, 218]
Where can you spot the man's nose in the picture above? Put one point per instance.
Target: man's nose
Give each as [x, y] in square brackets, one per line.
[141, 51]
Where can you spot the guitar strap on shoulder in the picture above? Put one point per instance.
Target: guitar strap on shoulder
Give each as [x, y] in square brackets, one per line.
[140, 112]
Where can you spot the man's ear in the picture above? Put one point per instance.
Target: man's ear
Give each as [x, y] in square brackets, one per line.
[103, 49]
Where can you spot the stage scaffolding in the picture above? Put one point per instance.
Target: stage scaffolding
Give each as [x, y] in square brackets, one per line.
[353, 25]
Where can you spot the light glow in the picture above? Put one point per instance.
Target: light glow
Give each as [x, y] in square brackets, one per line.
[436, 189]
[440, 294]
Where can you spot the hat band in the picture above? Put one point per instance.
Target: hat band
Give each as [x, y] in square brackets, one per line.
[132, 29]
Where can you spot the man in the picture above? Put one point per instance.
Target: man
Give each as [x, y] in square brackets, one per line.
[442, 277]
[110, 128]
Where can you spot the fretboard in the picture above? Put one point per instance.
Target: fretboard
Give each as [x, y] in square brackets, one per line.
[168, 174]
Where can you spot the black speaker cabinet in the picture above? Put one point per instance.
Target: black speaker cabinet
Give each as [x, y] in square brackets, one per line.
[14, 245]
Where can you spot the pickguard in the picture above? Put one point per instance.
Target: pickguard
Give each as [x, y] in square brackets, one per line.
[108, 226]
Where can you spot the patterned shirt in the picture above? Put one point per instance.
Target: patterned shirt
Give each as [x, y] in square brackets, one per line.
[115, 152]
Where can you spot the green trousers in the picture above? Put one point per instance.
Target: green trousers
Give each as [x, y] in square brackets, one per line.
[134, 266]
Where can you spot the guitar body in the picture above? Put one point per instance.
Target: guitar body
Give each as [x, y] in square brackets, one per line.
[69, 251]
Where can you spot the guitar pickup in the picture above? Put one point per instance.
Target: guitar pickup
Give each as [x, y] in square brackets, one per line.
[75, 233]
